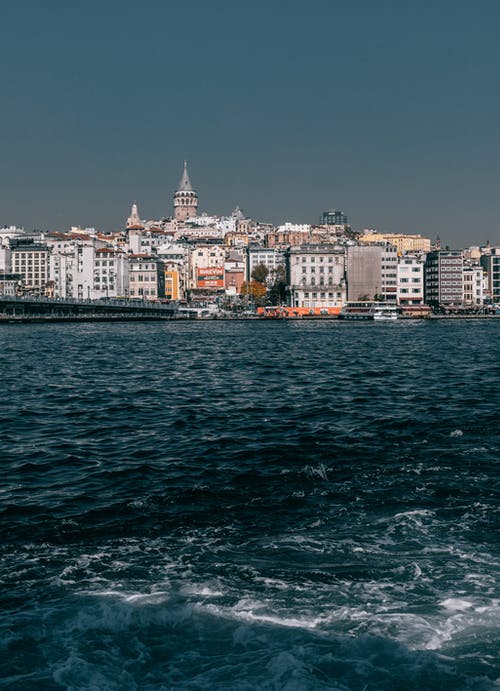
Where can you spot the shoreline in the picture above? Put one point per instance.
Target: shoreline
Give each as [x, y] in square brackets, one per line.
[47, 319]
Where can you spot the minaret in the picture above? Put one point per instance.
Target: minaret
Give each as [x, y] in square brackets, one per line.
[134, 218]
[185, 199]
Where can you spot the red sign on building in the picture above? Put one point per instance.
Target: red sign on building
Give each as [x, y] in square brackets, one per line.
[210, 278]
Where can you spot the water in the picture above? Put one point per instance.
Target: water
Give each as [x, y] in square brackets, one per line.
[250, 505]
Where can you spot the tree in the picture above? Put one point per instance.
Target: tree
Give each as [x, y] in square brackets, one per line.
[277, 291]
[260, 273]
[255, 290]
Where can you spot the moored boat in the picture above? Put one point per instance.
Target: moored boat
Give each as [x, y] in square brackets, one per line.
[362, 310]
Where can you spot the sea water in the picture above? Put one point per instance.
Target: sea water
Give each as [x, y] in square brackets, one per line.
[250, 505]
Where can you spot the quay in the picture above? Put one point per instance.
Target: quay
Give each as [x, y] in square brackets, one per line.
[17, 309]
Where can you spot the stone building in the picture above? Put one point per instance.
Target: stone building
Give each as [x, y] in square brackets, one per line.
[316, 276]
[185, 199]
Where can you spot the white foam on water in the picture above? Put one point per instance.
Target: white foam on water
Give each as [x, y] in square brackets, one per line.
[456, 433]
[456, 604]
[201, 589]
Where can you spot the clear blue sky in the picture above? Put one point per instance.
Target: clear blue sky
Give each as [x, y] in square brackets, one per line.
[386, 109]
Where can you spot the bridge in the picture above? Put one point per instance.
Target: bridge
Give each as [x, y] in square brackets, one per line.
[49, 309]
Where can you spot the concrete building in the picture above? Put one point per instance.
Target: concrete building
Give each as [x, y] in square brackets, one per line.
[31, 263]
[443, 275]
[372, 272]
[185, 199]
[172, 281]
[333, 218]
[270, 257]
[316, 276]
[146, 277]
[110, 273]
[491, 264]
[410, 280]
[9, 284]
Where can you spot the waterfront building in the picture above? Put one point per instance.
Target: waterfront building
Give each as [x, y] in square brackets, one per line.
[491, 264]
[474, 284]
[185, 199]
[443, 276]
[404, 243]
[316, 276]
[410, 280]
[9, 284]
[372, 272]
[31, 262]
[146, 277]
[110, 273]
[5, 258]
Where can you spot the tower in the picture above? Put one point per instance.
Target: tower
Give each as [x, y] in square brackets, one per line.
[185, 199]
[134, 218]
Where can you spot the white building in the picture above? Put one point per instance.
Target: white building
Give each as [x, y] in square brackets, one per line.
[410, 280]
[316, 276]
[294, 227]
[110, 274]
[474, 285]
[270, 257]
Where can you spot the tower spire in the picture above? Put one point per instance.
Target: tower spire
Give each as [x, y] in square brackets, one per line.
[185, 183]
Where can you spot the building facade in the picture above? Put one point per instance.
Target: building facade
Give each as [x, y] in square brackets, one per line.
[410, 280]
[443, 272]
[146, 277]
[316, 276]
[31, 263]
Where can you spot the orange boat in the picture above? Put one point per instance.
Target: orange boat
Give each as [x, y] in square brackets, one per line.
[283, 312]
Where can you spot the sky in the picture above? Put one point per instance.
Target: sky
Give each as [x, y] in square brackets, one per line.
[385, 109]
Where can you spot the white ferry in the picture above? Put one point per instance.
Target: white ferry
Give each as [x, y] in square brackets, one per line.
[369, 311]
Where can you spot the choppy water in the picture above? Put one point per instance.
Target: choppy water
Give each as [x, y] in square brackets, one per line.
[250, 506]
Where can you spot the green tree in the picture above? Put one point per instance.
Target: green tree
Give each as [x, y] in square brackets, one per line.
[260, 273]
[277, 291]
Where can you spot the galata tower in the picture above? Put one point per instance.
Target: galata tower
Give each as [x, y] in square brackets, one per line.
[185, 199]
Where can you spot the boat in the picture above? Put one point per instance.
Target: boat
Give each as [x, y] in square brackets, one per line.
[385, 312]
[361, 310]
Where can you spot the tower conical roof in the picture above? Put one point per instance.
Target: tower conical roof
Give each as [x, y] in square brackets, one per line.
[185, 183]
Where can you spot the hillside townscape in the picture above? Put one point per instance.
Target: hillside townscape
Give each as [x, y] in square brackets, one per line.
[234, 263]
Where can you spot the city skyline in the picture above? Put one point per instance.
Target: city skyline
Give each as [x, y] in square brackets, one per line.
[387, 113]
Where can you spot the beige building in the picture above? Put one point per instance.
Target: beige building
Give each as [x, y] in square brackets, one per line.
[202, 258]
[146, 277]
[403, 243]
[31, 263]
